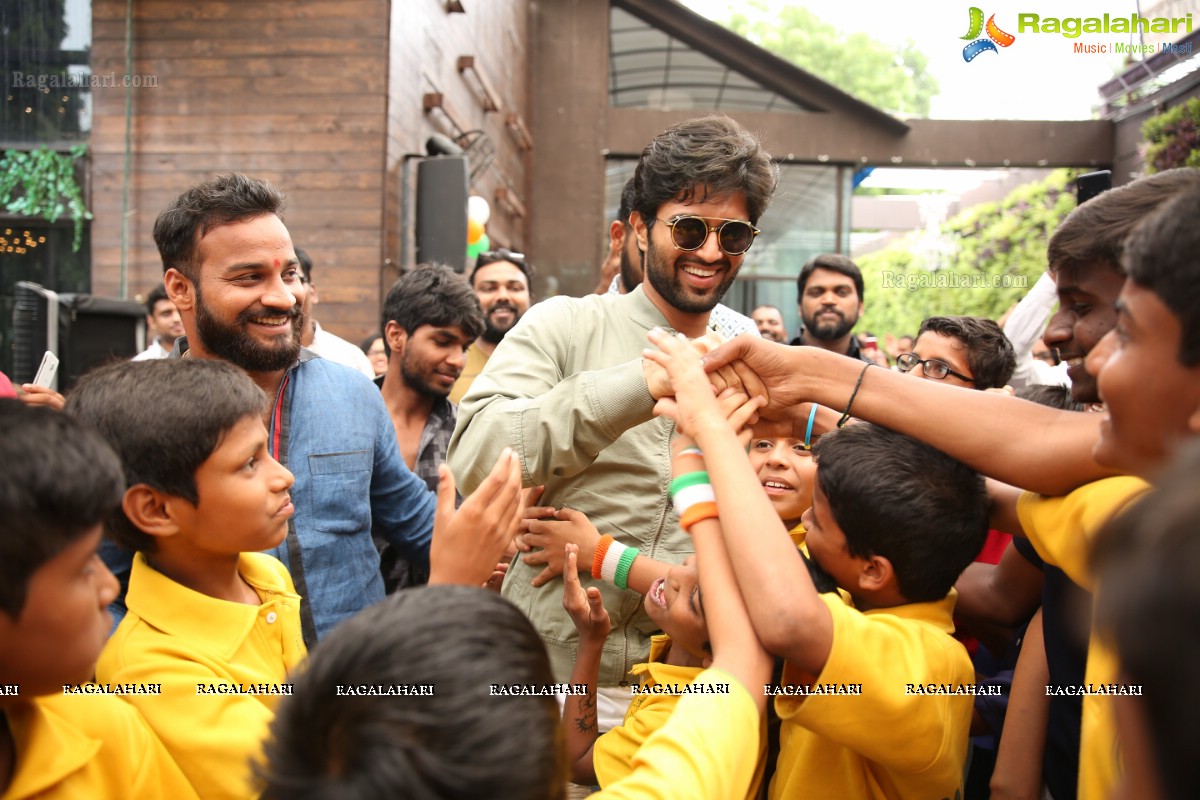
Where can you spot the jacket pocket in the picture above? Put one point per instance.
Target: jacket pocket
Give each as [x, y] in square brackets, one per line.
[341, 491]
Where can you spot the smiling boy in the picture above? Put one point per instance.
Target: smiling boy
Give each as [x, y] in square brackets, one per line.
[211, 620]
[58, 481]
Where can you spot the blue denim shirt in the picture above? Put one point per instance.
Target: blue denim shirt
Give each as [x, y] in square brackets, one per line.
[337, 438]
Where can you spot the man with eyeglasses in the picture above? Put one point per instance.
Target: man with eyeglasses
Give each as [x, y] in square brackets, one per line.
[501, 282]
[316, 338]
[568, 388]
[830, 299]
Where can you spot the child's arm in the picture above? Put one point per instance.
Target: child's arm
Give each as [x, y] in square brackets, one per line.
[736, 647]
[469, 541]
[1018, 771]
[573, 527]
[788, 615]
[579, 712]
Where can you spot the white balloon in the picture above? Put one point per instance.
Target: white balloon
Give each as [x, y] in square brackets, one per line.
[478, 209]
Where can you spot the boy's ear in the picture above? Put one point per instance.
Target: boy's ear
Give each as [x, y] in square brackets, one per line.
[148, 509]
[876, 574]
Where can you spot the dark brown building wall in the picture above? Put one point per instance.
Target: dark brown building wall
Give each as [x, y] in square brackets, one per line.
[569, 69]
[294, 92]
[427, 43]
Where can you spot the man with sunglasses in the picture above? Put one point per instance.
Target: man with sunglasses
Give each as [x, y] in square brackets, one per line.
[501, 281]
[623, 243]
[568, 388]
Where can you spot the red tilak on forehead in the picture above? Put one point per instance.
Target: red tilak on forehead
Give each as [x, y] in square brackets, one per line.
[277, 262]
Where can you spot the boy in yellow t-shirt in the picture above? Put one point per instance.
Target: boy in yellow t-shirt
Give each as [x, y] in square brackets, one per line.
[876, 697]
[60, 737]
[211, 620]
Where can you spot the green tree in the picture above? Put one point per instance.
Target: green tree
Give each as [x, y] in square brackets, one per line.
[891, 78]
[1006, 239]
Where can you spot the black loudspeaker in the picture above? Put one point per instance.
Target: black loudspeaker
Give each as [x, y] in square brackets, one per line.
[442, 211]
[82, 330]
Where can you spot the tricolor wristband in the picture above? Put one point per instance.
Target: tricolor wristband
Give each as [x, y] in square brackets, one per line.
[697, 513]
[602, 546]
[615, 563]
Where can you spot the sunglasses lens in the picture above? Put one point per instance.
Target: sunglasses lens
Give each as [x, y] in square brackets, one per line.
[736, 237]
[689, 233]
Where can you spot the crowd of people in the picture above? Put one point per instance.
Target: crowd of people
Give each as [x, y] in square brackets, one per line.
[635, 544]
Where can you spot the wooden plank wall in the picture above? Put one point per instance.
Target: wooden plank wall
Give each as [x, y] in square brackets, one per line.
[322, 97]
[292, 92]
[427, 41]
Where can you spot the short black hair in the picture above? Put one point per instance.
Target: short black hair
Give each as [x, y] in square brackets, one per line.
[929, 518]
[458, 742]
[156, 296]
[1147, 561]
[1051, 395]
[58, 480]
[1160, 255]
[989, 353]
[834, 263]
[703, 157]
[306, 264]
[164, 417]
[1094, 234]
[432, 294]
[225, 199]
[503, 254]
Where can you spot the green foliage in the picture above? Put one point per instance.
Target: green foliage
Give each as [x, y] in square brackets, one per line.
[41, 183]
[1006, 239]
[893, 79]
[1173, 138]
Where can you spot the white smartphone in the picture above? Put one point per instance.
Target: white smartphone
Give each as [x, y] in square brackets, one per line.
[45, 373]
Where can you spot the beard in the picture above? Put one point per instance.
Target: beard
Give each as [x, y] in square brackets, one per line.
[234, 344]
[829, 331]
[631, 270]
[494, 333]
[661, 273]
[822, 580]
[418, 380]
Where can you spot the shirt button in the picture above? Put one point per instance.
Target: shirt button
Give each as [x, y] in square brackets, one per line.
[271, 617]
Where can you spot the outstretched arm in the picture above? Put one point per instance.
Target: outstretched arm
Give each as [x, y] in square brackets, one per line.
[1015, 441]
[787, 613]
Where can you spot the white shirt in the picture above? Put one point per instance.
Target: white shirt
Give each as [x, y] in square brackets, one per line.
[335, 348]
[155, 350]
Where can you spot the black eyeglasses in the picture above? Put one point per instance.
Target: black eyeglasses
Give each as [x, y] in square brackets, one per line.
[734, 236]
[932, 368]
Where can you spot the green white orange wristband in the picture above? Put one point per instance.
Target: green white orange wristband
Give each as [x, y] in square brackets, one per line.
[613, 561]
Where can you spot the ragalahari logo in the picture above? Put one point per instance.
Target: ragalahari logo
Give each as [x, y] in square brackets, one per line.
[995, 36]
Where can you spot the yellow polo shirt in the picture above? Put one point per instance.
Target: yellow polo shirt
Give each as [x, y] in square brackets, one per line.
[886, 742]
[1061, 529]
[222, 667]
[476, 361]
[88, 746]
[614, 751]
[707, 750]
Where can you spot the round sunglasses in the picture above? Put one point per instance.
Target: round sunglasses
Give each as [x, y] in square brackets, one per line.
[734, 236]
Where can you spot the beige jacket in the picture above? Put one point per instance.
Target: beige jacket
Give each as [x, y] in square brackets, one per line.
[565, 389]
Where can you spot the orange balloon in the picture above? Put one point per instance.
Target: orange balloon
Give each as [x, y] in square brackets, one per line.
[474, 231]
